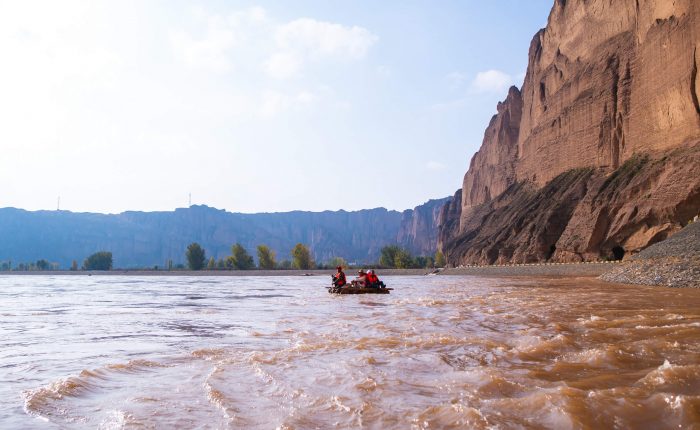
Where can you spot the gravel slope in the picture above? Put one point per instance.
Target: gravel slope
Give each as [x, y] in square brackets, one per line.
[675, 262]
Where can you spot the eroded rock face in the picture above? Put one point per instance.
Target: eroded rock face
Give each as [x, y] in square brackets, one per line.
[492, 169]
[606, 80]
[610, 86]
[419, 227]
[584, 214]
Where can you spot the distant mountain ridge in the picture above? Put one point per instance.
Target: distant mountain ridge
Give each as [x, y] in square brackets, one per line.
[146, 239]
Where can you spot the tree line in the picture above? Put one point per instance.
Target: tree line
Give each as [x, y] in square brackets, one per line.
[39, 265]
[240, 259]
[391, 256]
[98, 261]
[395, 257]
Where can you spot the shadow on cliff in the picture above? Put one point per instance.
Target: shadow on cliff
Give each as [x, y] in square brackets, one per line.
[583, 214]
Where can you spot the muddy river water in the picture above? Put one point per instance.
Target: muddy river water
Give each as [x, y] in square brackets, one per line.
[279, 352]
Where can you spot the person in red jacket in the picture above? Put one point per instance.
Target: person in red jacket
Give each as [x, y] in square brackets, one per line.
[339, 278]
[361, 280]
[372, 279]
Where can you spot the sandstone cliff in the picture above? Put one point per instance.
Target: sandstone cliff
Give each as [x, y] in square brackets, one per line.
[419, 227]
[598, 150]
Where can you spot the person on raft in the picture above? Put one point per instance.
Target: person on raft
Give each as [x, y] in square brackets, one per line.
[372, 279]
[339, 278]
[361, 280]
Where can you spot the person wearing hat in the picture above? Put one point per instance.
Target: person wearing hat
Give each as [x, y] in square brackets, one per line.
[361, 280]
[339, 278]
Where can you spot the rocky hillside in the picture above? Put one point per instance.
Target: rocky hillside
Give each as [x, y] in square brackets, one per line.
[145, 239]
[596, 155]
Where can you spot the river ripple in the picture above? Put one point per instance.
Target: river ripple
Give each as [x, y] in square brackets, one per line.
[257, 352]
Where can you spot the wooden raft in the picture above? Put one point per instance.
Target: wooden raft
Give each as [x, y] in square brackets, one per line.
[358, 290]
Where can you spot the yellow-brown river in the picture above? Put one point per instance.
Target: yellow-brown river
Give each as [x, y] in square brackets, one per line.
[279, 352]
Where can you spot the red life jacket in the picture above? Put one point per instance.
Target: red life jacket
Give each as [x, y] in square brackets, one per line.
[372, 278]
[339, 279]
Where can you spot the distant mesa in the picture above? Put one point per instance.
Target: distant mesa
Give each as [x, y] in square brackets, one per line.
[147, 239]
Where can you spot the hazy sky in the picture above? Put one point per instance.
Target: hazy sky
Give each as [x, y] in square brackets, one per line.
[250, 106]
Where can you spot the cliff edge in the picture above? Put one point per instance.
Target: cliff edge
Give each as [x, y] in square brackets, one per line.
[597, 155]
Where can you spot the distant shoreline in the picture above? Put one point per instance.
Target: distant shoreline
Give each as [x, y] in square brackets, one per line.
[564, 269]
[281, 272]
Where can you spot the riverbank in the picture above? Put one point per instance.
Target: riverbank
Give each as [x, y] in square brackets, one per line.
[118, 272]
[535, 269]
[568, 269]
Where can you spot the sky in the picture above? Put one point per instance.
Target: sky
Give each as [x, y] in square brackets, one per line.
[250, 106]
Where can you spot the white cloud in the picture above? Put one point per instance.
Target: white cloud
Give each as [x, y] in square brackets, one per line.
[281, 49]
[435, 166]
[317, 38]
[306, 97]
[306, 39]
[283, 65]
[256, 13]
[275, 102]
[491, 81]
[210, 51]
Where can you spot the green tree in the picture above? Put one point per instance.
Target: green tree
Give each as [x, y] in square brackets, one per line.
[229, 263]
[301, 257]
[99, 261]
[221, 264]
[337, 261]
[440, 259]
[212, 264]
[266, 257]
[42, 264]
[285, 264]
[196, 256]
[423, 262]
[404, 260]
[240, 258]
[387, 256]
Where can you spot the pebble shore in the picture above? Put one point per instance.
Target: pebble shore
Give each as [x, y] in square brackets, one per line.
[675, 262]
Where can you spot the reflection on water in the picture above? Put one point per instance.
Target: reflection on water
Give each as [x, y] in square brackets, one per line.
[439, 352]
